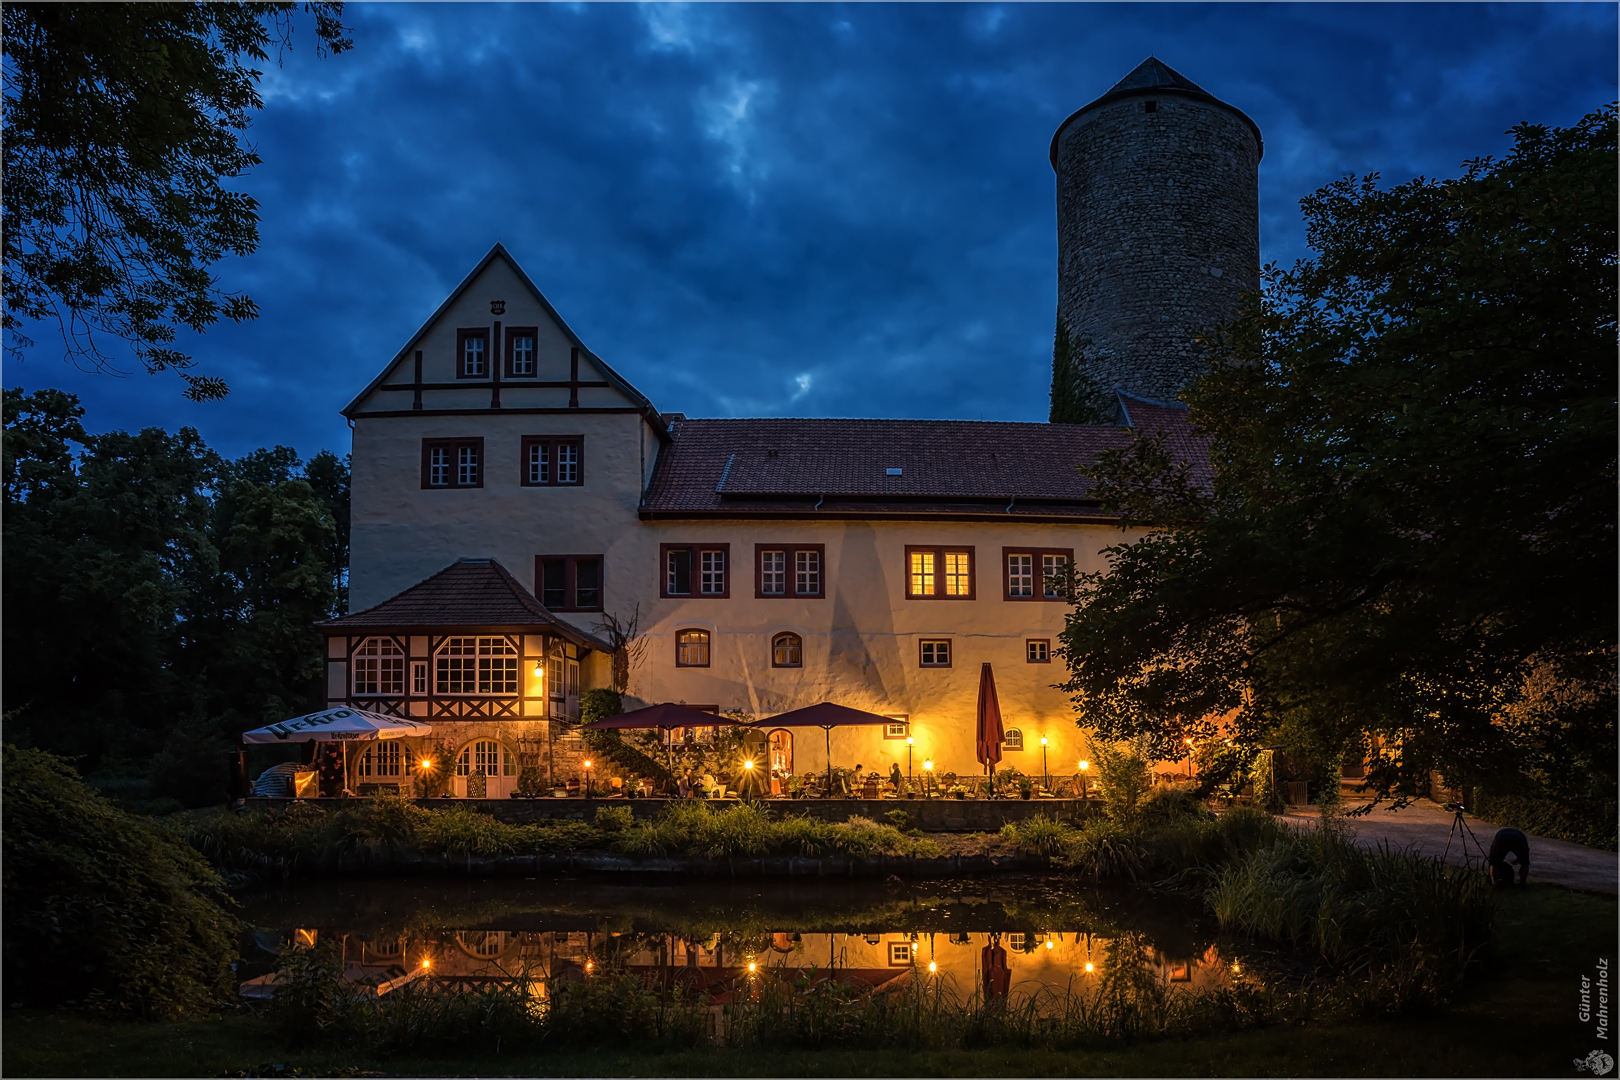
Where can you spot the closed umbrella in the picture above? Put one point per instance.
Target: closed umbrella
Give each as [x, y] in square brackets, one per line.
[825, 716]
[989, 732]
[997, 975]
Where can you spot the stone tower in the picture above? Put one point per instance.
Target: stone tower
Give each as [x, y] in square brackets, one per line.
[1158, 229]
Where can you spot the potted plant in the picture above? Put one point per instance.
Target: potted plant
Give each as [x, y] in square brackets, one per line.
[1026, 789]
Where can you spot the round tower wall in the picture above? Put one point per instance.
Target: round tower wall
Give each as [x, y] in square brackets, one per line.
[1158, 234]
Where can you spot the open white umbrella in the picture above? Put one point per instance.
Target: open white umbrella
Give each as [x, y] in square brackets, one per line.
[338, 725]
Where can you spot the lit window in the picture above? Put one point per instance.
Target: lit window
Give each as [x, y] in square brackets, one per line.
[922, 573]
[1055, 571]
[379, 668]
[522, 354]
[539, 463]
[467, 665]
[692, 648]
[939, 573]
[808, 572]
[712, 573]
[787, 650]
[1038, 651]
[1020, 575]
[936, 653]
[773, 573]
[1012, 739]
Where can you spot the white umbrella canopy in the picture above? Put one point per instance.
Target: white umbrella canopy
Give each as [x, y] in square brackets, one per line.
[338, 725]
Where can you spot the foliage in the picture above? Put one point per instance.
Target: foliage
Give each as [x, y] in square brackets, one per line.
[1413, 498]
[122, 136]
[1411, 923]
[170, 593]
[693, 828]
[1123, 776]
[105, 908]
[1076, 396]
[599, 704]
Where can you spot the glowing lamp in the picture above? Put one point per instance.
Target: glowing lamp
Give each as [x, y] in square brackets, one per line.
[587, 764]
[932, 966]
[426, 962]
[539, 670]
[910, 741]
[748, 764]
[1048, 944]
[1084, 765]
[929, 765]
[426, 763]
[1043, 740]
[752, 967]
[1089, 967]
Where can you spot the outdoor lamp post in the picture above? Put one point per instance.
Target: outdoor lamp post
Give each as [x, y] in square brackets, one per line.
[1192, 765]
[1046, 775]
[1084, 765]
[587, 778]
[910, 776]
[928, 769]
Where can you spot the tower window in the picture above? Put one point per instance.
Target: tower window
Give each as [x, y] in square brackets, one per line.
[1150, 106]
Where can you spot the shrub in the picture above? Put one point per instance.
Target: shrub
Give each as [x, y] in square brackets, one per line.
[599, 704]
[105, 907]
[1123, 775]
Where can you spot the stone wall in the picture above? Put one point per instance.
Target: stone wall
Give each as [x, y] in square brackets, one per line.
[1158, 234]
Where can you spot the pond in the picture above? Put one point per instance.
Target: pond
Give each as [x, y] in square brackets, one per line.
[1016, 936]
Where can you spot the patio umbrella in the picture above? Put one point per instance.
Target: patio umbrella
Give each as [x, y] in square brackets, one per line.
[825, 716]
[665, 717]
[338, 725]
[997, 975]
[989, 733]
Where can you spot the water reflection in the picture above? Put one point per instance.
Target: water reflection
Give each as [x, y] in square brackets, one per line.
[720, 938]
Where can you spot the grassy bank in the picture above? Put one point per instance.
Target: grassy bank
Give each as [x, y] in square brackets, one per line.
[1514, 1017]
[306, 837]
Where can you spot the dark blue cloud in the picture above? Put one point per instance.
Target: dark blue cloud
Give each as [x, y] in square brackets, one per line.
[765, 210]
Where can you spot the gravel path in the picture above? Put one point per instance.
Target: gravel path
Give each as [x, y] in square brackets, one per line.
[1425, 826]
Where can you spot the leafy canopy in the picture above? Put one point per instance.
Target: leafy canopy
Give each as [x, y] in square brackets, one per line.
[123, 127]
[1413, 508]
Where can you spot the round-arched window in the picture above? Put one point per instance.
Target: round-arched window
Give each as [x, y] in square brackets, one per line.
[1013, 739]
[692, 648]
[787, 650]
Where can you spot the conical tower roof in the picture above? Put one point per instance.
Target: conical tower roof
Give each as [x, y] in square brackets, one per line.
[1153, 76]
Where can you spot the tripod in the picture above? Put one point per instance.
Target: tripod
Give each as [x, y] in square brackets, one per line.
[1459, 828]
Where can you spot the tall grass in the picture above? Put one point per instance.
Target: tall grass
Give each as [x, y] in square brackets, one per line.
[306, 837]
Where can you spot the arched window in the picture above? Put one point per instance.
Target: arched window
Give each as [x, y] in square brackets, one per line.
[787, 650]
[486, 665]
[692, 648]
[381, 759]
[379, 668]
[1013, 739]
[485, 756]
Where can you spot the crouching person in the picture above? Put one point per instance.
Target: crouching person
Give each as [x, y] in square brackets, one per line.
[1508, 842]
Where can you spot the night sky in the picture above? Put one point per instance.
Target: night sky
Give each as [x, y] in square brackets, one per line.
[783, 210]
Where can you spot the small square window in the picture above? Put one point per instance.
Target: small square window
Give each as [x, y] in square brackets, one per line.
[553, 461]
[901, 953]
[1038, 651]
[692, 648]
[1036, 575]
[452, 463]
[695, 570]
[936, 653]
[896, 729]
[939, 573]
[569, 582]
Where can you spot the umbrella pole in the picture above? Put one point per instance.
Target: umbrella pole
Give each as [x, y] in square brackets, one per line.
[828, 732]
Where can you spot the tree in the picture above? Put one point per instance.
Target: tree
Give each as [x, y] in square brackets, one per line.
[1076, 396]
[1413, 507]
[122, 123]
[158, 595]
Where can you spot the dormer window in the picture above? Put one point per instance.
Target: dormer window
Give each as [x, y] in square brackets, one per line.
[472, 351]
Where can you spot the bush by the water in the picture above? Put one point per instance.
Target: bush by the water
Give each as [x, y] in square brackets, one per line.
[308, 837]
[106, 908]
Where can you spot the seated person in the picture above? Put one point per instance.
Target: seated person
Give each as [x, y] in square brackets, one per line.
[894, 775]
[1508, 842]
[572, 785]
[709, 784]
[685, 789]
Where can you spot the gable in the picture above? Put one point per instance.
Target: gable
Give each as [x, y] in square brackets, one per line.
[499, 303]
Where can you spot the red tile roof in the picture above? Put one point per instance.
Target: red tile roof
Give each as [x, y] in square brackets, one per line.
[471, 593]
[947, 468]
